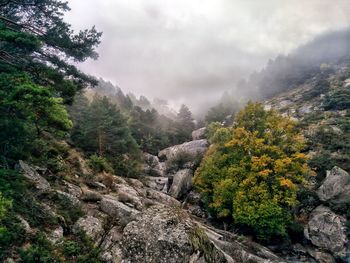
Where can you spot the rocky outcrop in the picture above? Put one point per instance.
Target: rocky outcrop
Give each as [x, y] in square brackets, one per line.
[182, 183]
[56, 235]
[192, 148]
[92, 226]
[336, 186]
[199, 134]
[152, 166]
[157, 183]
[31, 174]
[116, 209]
[162, 198]
[326, 230]
[163, 234]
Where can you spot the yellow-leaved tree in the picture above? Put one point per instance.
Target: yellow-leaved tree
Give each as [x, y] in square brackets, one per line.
[252, 171]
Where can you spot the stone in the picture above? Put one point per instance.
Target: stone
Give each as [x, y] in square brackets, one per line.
[161, 235]
[182, 183]
[199, 134]
[110, 246]
[33, 176]
[326, 230]
[157, 183]
[74, 200]
[56, 235]
[193, 148]
[321, 257]
[92, 226]
[72, 189]
[128, 194]
[114, 208]
[162, 198]
[152, 166]
[164, 234]
[25, 225]
[336, 186]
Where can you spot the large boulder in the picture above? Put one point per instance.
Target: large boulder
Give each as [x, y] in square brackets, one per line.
[336, 186]
[162, 198]
[116, 209]
[31, 174]
[157, 183]
[152, 166]
[92, 226]
[182, 183]
[199, 134]
[326, 230]
[163, 234]
[193, 148]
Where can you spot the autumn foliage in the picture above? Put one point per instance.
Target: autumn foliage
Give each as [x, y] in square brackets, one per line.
[252, 171]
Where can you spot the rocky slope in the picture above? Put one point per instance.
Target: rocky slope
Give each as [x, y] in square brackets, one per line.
[132, 220]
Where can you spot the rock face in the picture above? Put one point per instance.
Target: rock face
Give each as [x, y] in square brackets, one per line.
[114, 208]
[182, 183]
[157, 183]
[33, 176]
[336, 186]
[152, 166]
[192, 148]
[199, 134]
[91, 225]
[163, 234]
[326, 230]
[159, 235]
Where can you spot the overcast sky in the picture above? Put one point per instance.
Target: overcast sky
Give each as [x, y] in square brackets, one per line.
[192, 50]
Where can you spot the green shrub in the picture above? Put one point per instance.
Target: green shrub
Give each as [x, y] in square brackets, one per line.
[40, 251]
[99, 164]
[337, 100]
[252, 171]
[70, 211]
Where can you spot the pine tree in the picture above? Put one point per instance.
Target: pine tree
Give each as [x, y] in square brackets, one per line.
[185, 123]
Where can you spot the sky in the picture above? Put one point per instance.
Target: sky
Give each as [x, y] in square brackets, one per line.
[191, 51]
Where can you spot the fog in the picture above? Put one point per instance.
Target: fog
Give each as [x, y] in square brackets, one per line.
[192, 51]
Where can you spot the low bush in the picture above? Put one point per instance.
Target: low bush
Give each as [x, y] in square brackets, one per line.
[99, 164]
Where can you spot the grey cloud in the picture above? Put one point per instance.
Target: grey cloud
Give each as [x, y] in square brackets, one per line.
[191, 51]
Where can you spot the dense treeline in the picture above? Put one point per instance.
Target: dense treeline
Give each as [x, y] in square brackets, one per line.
[37, 80]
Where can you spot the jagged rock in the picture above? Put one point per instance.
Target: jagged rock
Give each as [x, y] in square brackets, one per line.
[192, 148]
[152, 166]
[347, 83]
[74, 200]
[56, 235]
[182, 183]
[157, 183]
[114, 208]
[90, 196]
[33, 176]
[129, 195]
[72, 189]
[112, 252]
[199, 134]
[336, 186]
[92, 226]
[326, 230]
[162, 198]
[321, 257]
[163, 234]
